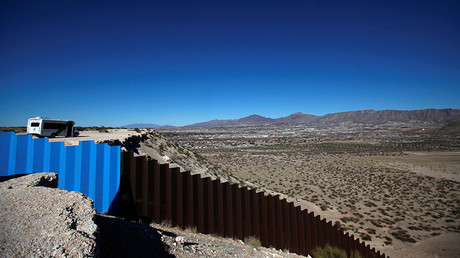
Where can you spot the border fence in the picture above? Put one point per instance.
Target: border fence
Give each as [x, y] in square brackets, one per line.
[128, 186]
[161, 193]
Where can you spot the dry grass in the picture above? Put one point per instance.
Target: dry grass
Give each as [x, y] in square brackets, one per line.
[253, 241]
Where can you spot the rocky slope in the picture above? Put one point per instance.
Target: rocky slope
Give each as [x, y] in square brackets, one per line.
[158, 147]
[38, 220]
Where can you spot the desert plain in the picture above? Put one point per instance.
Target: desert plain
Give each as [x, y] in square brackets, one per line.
[395, 187]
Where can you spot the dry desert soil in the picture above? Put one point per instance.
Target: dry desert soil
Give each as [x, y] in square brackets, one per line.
[402, 203]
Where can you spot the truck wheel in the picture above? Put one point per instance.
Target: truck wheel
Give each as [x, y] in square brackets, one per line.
[53, 135]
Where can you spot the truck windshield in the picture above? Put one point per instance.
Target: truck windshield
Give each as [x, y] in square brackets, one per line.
[35, 124]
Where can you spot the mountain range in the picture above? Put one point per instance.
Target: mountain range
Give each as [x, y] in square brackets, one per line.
[440, 116]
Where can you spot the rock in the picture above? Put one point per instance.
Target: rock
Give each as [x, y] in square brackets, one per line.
[42, 221]
[180, 240]
[35, 179]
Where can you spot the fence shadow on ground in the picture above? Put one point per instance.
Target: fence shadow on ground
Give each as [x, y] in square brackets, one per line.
[123, 238]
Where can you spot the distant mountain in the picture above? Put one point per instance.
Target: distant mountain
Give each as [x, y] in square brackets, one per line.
[249, 120]
[144, 126]
[297, 118]
[385, 116]
[440, 116]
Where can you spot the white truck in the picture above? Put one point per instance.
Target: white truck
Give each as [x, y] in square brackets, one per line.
[46, 127]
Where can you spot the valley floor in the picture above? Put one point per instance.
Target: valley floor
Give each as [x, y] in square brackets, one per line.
[391, 200]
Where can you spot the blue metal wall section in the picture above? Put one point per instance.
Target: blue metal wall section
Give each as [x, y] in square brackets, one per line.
[92, 169]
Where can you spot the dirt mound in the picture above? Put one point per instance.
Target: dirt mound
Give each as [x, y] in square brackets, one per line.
[42, 221]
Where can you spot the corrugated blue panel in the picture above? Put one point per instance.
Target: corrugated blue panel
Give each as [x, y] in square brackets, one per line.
[106, 180]
[24, 154]
[102, 170]
[115, 160]
[77, 173]
[70, 168]
[46, 157]
[41, 155]
[57, 161]
[88, 168]
[7, 153]
[92, 169]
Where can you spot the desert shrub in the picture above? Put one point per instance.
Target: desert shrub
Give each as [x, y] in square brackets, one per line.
[355, 254]
[337, 224]
[388, 240]
[347, 219]
[370, 204]
[388, 221]
[371, 231]
[102, 129]
[383, 212]
[329, 252]
[166, 223]
[403, 235]
[366, 237]
[193, 230]
[253, 241]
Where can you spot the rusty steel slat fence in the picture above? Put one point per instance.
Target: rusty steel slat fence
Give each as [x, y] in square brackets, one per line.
[160, 193]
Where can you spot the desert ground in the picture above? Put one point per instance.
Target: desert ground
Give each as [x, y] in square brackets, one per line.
[385, 200]
[397, 191]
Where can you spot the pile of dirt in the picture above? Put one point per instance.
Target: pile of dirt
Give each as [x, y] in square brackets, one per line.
[36, 220]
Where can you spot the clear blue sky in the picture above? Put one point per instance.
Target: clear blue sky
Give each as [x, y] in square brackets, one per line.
[179, 62]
